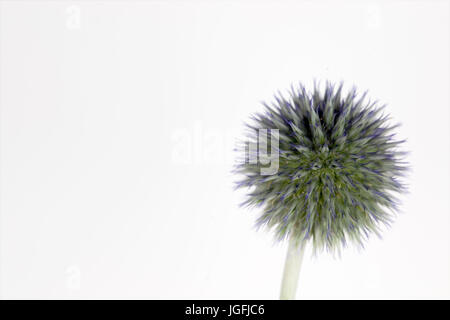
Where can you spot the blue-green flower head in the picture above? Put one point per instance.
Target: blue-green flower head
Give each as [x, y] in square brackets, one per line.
[339, 167]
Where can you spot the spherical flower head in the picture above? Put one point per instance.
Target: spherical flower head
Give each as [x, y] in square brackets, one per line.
[338, 167]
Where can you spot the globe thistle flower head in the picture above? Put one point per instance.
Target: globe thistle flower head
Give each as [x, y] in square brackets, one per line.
[339, 167]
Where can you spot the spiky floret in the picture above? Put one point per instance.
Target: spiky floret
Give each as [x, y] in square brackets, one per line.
[340, 167]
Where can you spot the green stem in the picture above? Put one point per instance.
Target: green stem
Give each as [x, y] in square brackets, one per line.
[292, 266]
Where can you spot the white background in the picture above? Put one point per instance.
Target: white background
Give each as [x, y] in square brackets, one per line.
[116, 122]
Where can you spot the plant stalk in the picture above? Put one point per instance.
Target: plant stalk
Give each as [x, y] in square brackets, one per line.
[292, 266]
